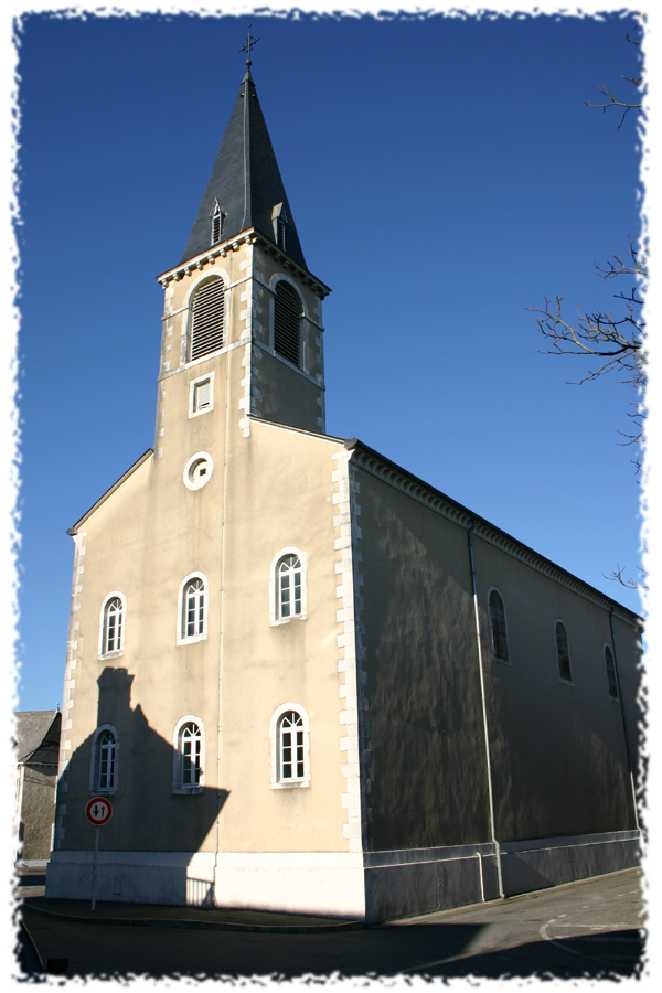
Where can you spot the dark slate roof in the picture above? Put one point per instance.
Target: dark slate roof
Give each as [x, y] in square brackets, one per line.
[245, 180]
[32, 728]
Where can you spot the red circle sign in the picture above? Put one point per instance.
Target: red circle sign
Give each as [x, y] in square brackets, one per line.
[98, 810]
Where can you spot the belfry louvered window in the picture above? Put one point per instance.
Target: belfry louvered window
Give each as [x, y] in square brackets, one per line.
[287, 323]
[207, 318]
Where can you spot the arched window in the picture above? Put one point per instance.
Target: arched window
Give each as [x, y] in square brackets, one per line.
[562, 652]
[289, 601]
[288, 312]
[193, 609]
[498, 627]
[207, 318]
[290, 747]
[111, 638]
[188, 758]
[612, 681]
[105, 760]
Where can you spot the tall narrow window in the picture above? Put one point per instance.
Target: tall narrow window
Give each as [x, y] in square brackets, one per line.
[193, 609]
[498, 627]
[216, 223]
[288, 587]
[612, 681]
[291, 758]
[287, 323]
[105, 757]
[189, 756]
[207, 318]
[562, 652]
[112, 626]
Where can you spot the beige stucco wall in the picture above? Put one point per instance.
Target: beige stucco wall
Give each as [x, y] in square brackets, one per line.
[271, 487]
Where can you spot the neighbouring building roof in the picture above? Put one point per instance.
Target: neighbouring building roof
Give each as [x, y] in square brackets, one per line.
[35, 728]
[245, 181]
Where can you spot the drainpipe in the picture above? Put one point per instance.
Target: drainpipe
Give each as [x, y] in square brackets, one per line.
[486, 735]
[622, 711]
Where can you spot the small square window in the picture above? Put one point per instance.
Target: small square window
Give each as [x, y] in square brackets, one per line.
[201, 399]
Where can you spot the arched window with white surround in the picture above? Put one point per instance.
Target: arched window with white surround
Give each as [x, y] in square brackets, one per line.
[207, 318]
[288, 311]
[112, 624]
[193, 608]
[612, 679]
[104, 772]
[563, 652]
[290, 737]
[498, 631]
[287, 586]
[188, 755]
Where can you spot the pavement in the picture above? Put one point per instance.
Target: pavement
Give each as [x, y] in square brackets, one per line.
[589, 928]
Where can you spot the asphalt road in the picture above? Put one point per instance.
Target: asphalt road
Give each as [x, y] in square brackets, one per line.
[585, 929]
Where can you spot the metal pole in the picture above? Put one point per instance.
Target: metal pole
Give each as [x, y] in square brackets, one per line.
[94, 869]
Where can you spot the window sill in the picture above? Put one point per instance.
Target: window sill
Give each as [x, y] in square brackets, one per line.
[498, 658]
[192, 641]
[296, 784]
[276, 623]
[104, 791]
[187, 791]
[109, 656]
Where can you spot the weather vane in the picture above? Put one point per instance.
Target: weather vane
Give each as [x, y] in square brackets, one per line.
[248, 47]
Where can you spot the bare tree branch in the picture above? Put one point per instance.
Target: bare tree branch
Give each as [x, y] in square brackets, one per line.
[617, 575]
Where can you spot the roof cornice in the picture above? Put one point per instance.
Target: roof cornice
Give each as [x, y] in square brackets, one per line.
[382, 468]
[251, 237]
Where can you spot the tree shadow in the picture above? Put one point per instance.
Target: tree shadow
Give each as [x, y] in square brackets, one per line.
[156, 828]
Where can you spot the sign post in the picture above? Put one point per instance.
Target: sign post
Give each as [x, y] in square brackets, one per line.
[98, 811]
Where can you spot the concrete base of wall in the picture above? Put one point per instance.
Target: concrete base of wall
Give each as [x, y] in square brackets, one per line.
[419, 881]
[308, 882]
[376, 886]
[533, 865]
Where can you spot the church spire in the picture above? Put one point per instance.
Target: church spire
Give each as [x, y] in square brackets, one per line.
[245, 189]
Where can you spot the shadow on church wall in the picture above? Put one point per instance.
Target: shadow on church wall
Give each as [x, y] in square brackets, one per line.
[149, 815]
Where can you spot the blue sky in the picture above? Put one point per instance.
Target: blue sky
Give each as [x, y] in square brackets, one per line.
[444, 176]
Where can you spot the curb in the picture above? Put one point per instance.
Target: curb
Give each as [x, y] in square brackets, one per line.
[194, 922]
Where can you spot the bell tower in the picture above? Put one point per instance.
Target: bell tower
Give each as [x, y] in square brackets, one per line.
[243, 286]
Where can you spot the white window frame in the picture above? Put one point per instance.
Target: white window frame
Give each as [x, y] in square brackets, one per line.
[181, 638]
[208, 377]
[274, 619]
[188, 482]
[277, 783]
[101, 653]
[509, 646]
[177, 785]
[93, 779]
[566, 682]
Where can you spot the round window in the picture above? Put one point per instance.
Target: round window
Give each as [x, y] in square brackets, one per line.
[198, 470]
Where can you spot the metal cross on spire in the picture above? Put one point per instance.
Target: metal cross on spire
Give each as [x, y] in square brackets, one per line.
[248, 47]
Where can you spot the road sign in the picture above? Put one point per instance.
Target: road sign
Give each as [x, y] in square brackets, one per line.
[98, 810]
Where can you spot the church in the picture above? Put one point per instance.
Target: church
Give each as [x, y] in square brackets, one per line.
[304, 678]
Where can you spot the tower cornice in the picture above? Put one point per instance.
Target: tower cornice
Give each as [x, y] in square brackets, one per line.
[248, 237]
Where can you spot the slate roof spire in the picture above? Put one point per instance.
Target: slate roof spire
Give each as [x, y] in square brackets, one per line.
[246, 183]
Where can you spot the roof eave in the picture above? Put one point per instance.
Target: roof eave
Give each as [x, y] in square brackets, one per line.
[469, 518]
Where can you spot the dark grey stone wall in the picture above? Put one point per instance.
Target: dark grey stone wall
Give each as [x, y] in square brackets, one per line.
[423, 772]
